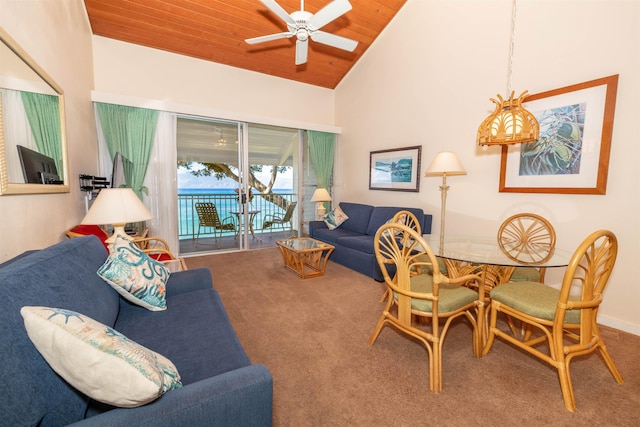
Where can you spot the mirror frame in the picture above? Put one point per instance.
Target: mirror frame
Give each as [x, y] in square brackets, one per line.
[7, 187]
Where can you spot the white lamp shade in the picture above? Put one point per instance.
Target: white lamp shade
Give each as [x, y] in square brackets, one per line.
[446, 162]
[321, 195]
[116, 206]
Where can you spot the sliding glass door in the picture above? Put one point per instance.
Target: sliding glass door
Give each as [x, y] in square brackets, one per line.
[237, 184]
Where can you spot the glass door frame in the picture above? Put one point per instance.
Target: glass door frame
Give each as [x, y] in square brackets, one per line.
[243, 187]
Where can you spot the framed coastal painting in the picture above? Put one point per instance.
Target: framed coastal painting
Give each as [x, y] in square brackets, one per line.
[397, 169]
[572, 154]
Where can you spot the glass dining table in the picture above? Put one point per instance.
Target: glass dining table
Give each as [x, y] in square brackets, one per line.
[484, 256]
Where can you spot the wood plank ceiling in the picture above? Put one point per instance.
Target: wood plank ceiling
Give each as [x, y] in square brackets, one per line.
[215, 30]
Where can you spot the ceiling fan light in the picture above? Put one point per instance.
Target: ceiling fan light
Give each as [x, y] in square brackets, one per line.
[510, 123]
[302, 34]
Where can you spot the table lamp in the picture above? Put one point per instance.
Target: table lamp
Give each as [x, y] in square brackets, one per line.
[320, 196]
[116, 206]
[445, 163]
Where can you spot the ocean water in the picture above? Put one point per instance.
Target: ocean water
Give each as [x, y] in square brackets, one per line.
[225, 191]
[226, 202]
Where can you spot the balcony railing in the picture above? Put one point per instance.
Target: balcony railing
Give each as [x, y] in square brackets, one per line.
[225, 204]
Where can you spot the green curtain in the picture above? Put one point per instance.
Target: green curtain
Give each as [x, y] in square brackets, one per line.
[129, 131]
[321, 151]
[43, 113]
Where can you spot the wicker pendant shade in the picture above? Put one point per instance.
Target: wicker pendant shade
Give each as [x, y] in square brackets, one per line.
[510, 123]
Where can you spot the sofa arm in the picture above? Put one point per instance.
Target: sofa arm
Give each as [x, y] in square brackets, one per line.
[242, 397]
[185, 281]
[315, 225]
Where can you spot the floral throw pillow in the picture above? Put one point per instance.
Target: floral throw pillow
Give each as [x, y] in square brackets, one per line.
[97, 360]
[335, 218]
[134, 275]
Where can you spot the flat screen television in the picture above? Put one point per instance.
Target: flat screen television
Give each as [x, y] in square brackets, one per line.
[38, 168]
[117, 173]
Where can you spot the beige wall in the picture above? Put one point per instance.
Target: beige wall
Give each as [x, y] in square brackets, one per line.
[57, 36]
[427, 80]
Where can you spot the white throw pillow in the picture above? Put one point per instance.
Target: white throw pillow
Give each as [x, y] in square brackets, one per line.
[134, 275]
[97, 360]
[335, 218]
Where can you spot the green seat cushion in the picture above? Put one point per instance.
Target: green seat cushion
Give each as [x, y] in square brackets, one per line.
[441, 264]
[533, 298]
[525, 274]
[452, 297]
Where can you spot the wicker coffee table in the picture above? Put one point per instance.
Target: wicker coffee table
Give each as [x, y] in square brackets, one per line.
[305, 256]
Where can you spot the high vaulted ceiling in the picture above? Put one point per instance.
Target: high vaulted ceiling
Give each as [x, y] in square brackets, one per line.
[215, 30]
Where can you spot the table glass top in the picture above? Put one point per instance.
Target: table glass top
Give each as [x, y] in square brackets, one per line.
[484, 250]
[303, 243]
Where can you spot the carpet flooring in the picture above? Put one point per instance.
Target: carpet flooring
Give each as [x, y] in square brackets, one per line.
[312, 335]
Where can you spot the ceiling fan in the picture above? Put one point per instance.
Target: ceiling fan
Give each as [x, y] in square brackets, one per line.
[305, 25]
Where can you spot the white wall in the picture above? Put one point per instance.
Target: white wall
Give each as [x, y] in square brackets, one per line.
[194, 86]
[427, 81]
[57, 36]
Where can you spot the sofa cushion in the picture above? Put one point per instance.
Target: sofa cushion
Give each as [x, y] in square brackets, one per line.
[359, 243]
[32, 393]
[135, 276]
[332, 236]
[359, 216]
[202, 341]
[382, 214]
[335, 218]
[97, 360]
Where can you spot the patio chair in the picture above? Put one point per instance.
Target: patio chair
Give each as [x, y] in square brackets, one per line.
[208, 218]
[272, 221]
[431, 296]
[565, 318]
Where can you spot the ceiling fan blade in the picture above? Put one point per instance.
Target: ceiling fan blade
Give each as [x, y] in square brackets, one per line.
[334, 40]
[269, 38]
[302, 48]
[328, 13]
[278, 10]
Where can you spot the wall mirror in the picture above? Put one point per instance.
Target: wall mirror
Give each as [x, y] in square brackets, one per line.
[33, 145]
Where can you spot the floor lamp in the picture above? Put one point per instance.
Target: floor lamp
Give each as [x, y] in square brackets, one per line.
[445, 163]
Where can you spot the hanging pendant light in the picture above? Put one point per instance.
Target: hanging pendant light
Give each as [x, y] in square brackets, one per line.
[510, 123]
[222, 141]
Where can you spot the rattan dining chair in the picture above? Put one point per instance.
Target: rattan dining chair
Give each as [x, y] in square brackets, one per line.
[527, 238]
[272, 221]
[567, 323]
[208, 218]
[433, 296]
[409, 219]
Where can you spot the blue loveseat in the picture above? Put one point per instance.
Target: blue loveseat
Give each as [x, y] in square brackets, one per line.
[220, 385]
[353, 240]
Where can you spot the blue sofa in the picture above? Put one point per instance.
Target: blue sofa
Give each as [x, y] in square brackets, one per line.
[354, 238]
[220, 385]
